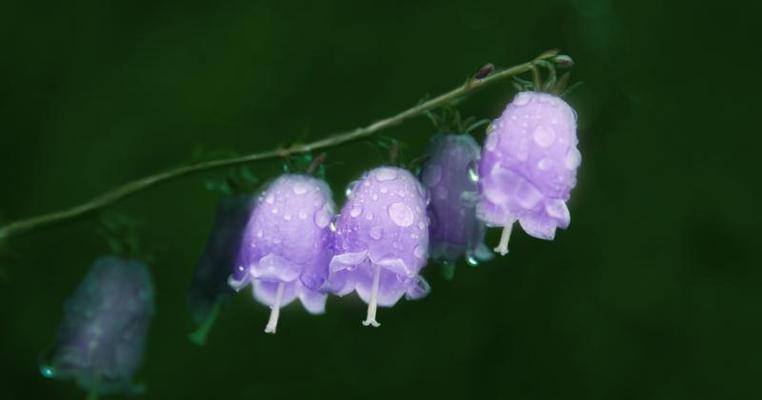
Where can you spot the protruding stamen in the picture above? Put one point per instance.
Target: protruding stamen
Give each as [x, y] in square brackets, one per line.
[272, 324]
[373, 304]
[502, 248]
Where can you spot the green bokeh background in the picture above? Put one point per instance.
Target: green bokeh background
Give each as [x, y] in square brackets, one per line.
[653, 292]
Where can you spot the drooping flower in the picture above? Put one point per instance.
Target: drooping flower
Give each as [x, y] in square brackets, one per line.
[210, 278]
[382, 238]
[287, 245]
[448, 175]
[101, 338]
[529, 166]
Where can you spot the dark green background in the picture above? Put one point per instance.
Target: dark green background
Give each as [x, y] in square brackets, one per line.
[653, 292]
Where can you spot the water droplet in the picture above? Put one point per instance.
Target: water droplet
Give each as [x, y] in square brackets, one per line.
[300, 188]
[522, 99]
[557, 209]
[491, 143]
[432, 175]
[384, 189]
[375, 197]
[544, 164]
[473, 173]
[302, 215]
[401, 214]
[544, 136]
[322, 218]
[260, 233]
[471, 260]
[270, 199]
[386, 174]
[287, 216]
[333, 226]
[356, 211]
[573, 159]
[47, 371]
[421, 225]
[490, 128]
[348, 192]
[369, 216]
[274, 210]
[376, 232]
[419, 251]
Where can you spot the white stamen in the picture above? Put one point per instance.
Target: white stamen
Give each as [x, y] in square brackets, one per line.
[371, 318]
[502, 248]
[272, 324]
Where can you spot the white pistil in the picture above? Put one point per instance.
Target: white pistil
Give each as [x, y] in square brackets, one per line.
[272, 324]
[371, 318]
[502, 248]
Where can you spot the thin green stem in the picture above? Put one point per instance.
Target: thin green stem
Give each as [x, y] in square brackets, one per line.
[198, 337]
[106, 199]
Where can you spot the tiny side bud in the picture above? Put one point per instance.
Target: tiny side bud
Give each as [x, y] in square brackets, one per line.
[484, 71]
[563, 61]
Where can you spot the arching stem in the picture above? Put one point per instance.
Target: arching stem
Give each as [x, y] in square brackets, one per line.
[19, 227]
[272, 324]
[502, 248]
[373, 304]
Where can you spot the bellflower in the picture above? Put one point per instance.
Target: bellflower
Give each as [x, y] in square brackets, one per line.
[448, 175]
[382, 238]
[529, 166]
[101, 338]
[287, 246]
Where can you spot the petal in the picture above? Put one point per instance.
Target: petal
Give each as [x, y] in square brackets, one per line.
[312, 300]
[540, 227]
[238, 284]
[273, 267]
[264, 292]
[418, 289]
[340, 283]
[347, 261]
[396, 266]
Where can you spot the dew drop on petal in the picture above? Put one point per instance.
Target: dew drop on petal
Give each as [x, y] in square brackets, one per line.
[270, 198]
[384, 189]
[369, 216]
[375, 197]
[302, 215]
[287, 216]
[573, 159]
[557, 209]
[544, 136]
[421, 225]
[356, 211]
[473, 173]
[419, 251]
[300, 188]
[471, 260]
[386, 174]
[544, 164]
[401, 214]
[491, 143]
[432, 175]
[521, 100]
[260, 233]
[376, 232]
[322, 218]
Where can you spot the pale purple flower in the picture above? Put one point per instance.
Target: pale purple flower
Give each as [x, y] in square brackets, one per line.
[449, 176]
[287, 245]
[218, 261]
[529, 167]
[382, 238]
[101, 338]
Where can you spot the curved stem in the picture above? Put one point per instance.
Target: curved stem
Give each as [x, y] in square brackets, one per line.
[19, 227]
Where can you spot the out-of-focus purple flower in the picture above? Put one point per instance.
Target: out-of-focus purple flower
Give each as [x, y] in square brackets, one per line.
[102, 335]
[382, 238]
[218, 261]
[529, 167]
[450, 179]
[287, 245]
